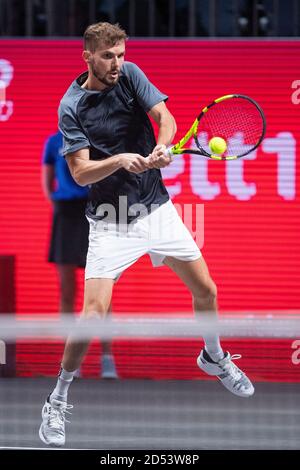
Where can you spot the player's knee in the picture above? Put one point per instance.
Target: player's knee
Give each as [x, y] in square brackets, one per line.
[207, 292]
[95, 308]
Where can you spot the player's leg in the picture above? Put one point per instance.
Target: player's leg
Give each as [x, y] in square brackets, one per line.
[67, 291]
[110, 253]
[97, 298]
[196, 277]
[212, 360]
[67, 284]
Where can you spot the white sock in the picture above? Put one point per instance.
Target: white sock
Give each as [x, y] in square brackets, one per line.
[64, 381]
[213, 347]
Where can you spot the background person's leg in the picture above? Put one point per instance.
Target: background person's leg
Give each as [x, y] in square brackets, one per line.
[67, 284]
[108, 366]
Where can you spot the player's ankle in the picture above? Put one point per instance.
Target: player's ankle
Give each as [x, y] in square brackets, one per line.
[56, 396]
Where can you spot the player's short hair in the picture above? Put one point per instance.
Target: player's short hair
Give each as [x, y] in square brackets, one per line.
[103, 33]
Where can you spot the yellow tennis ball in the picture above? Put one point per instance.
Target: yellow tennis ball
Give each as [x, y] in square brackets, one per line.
[217, 145]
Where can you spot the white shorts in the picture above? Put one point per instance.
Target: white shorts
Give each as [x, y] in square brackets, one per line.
[113, 248]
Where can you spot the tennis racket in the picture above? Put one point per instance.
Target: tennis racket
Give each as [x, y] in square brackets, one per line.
[237, 119]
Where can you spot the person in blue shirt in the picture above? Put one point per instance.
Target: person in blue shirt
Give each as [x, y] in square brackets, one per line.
[69, 232]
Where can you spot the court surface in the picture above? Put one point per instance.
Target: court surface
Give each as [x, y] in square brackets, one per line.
[143, 414]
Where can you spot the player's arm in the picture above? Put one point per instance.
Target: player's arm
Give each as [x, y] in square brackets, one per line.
[86, 171]
[166, 123]
[47, 180]
[167, 130]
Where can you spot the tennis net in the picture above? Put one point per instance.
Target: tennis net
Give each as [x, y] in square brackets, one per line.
[161, 399]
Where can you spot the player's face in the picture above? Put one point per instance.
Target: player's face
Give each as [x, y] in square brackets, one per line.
[105, 63]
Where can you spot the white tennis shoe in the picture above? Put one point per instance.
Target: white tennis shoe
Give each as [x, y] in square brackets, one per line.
[52, 429]
[227, 372]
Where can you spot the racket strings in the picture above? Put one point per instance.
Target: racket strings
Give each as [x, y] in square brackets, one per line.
[237, 121]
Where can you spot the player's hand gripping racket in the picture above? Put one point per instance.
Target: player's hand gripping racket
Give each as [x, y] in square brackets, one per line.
[230, 127]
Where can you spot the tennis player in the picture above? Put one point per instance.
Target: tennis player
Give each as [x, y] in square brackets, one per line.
[109, 144]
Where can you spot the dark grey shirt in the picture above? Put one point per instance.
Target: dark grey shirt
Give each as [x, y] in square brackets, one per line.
[110, 122]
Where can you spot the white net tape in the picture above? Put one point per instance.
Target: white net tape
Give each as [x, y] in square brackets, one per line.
[125, 326]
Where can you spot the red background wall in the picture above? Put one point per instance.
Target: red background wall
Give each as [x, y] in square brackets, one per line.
[251, 241]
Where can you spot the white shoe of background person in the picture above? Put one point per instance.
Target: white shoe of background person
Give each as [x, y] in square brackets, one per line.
[52, 429]
[108, 367]
[227, 372]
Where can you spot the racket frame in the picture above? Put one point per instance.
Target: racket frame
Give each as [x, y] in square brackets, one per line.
[179, 148]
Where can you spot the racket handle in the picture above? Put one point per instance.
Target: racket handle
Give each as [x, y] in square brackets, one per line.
[168, 152]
